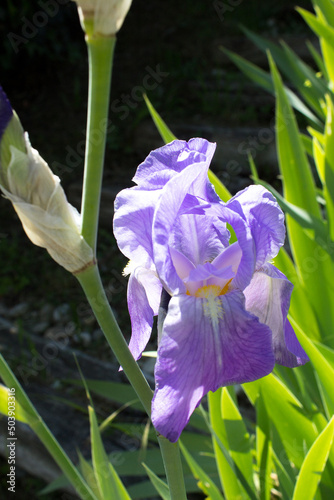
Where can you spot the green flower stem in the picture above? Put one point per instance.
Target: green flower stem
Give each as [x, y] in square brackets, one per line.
[35, 421]
[173, 466]
[91, 283]
[100, 52]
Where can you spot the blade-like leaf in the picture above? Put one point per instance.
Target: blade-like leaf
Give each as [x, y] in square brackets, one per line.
[326, 34]
[327, 8]
[263, 449]
[158, 484]
[9, 406]
[308, 84]
[88, 473]
[166, 134]
[108, 481]
[286, 413]
[205, 482]
[314, 464]
[225, 466]
[324, 369]
[316, 228]
[238, 439]
[299, 189]
[264, 79]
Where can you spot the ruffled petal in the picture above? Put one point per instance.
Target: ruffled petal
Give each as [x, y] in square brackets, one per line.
[265, 219]
[133, 220]
[165, 162]
[268, 297]
[144, 292]
[206, 343]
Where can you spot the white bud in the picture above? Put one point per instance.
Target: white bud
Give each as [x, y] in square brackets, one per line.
[107, 15]
[47, 217]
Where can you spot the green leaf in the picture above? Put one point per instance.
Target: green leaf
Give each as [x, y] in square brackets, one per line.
[314, 464]
[238, 439]
[205, 482]
[299, 189]
[263, 449]
[315, 228]
[304, 78]
[317, 59]
[108, 481]
[113, 391]
[166, 134]
[327, 8]
[225, 466]
[9, 406]
[158, 484]
[286, 413]
[221, 190]
[307, 143]
[144, 490]
[285, 472]
[323, 368]
[264, 79]
[326, 34]
[328, 190]
[88, 473]
[300, 306]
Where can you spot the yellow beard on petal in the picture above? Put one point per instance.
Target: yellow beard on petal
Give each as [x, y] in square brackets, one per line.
[212, 308]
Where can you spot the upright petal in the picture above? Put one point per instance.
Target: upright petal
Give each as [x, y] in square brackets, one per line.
[165, 162]
[206, 343]
[199, 237]
[265, 219]
[144, 292]
[268, 297]
[167, 210]
[246, 267]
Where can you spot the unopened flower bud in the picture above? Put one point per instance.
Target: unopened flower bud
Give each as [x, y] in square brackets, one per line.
[103, 17]
[37, 196]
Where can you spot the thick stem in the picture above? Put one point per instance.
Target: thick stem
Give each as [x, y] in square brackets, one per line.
[100, 52]
[173, 466]
[91, 283]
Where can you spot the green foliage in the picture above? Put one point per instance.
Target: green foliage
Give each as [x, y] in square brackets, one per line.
[290, 448]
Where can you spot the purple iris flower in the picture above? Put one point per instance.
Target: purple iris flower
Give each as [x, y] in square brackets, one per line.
[226, 321]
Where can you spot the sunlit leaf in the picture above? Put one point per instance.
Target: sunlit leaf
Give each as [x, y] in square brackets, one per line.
[314, 464]
[158, 484]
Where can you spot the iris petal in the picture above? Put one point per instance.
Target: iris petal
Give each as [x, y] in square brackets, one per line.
[144, 292]
[205, 345]
[265, 219]
[165, 162]
[268, 297]
[134, 209]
